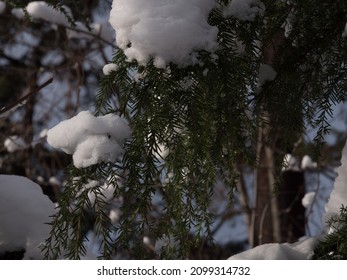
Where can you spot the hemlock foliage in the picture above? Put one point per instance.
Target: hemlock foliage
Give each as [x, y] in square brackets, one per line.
[334, 245]
[193, 126]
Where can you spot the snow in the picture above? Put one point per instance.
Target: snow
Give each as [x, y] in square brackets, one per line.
[54, 181]
[90, 139]
[166, 30]
[2, 7]
[95, 149]
[338, 196]
[43, 133]
[290, 162]
[288, 24]
[106, 190]
[24, 210]
[104, 30]
[244, 10]
[108, 68]
[304, 249]
[147, 240]
[41, 10]
[301, 250]
[114, 216]
[308, 199]
[266, 74]
[307, 163]
[18, 13]
[14, 143]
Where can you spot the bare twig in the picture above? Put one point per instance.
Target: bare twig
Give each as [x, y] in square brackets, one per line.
[25, 97]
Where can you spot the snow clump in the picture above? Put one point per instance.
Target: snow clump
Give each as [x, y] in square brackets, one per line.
[41, 10]
[14, 143]
[90, 139]
[108, 68]
[166, 30]
[307, 163]
[18, 13]
[266, 74]
[244, 10]
[308, 199]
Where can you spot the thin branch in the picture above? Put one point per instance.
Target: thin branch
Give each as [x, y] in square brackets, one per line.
[18, 102]
[96, 36]
[91, 34]
[262, 221]
[228, 215]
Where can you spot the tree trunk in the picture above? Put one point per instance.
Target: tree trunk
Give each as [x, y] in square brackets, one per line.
[277, 217]
[292, 212]
[265, 221]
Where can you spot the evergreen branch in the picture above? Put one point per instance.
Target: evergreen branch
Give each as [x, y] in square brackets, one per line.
[334, 246]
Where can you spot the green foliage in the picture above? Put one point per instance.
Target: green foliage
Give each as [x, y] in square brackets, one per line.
[78, 213]
[206, 117]
[334, 246]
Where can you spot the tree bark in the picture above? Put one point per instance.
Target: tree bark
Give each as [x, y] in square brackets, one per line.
[277, 217]
[292, 212]
[266, 224]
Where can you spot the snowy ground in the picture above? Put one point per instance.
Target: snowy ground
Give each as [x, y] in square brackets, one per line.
[24, 212]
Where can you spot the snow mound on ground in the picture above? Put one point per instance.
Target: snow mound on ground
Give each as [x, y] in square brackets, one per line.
[167, 30]
[90, 139]
[24, 212]
[301, 250]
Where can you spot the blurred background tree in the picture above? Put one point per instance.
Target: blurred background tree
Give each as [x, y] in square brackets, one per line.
[33, 51]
